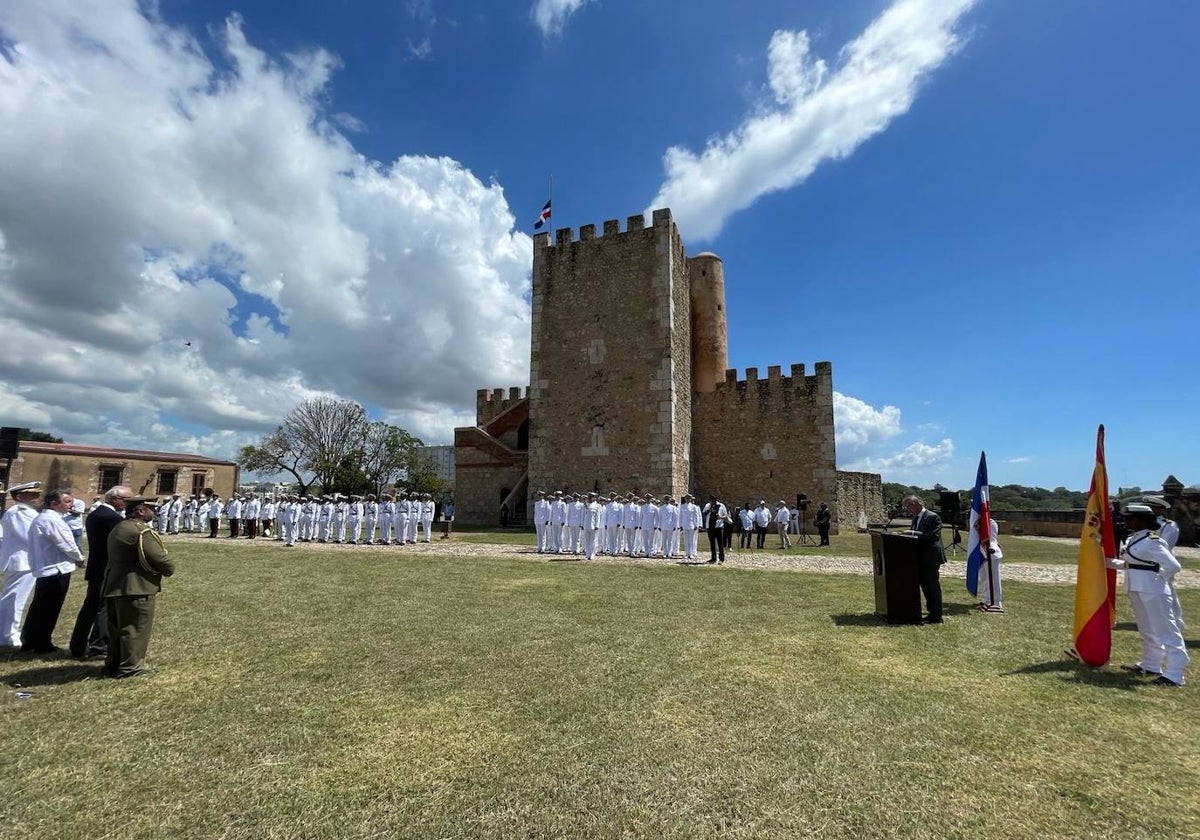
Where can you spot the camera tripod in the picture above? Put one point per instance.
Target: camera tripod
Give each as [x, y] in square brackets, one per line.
[956, 541]
[805, 538]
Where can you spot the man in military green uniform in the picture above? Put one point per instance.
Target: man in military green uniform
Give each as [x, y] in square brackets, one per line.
[137, 560]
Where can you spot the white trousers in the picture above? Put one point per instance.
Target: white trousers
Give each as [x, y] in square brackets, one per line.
[427, 525]
[412, 527]
[1163, 648]
[369, 535]
[574, 532]
[591, 540]
[18, 586]
[385, 529]
[541, 528]
[323, 529]
[985, 582]
[689, 543]
[613, 539]
[671, 542]
[354, 529]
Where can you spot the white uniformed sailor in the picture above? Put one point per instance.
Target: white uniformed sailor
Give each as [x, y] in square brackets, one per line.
[541, 520]
[1149, 569]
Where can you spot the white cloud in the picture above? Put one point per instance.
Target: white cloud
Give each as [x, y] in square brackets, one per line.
[817, 114]
[1020, 459]
[148, 198]
[422, 51]
[551, 15]
[914, 457]
[857, 424]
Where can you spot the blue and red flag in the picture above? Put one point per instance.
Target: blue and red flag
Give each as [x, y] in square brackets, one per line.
[543, 217]
[980, 534]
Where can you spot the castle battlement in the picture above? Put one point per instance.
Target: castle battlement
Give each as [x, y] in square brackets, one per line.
[491, 404]
[822, 376]
[612, 227]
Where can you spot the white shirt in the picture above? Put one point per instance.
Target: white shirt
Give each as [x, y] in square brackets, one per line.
[689, 516]
[668, 517]
[762, 516]
[575, 514]
[1144, 547]
[52, 549]
[592, 516]
[541, 512]
[783, 516]
[1169, 531]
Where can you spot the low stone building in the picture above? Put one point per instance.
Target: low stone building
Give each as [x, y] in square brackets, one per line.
[91, 470]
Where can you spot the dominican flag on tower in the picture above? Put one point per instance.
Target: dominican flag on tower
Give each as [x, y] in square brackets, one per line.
[543, 217]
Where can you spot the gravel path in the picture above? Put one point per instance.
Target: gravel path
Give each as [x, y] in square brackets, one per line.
[1034, 572]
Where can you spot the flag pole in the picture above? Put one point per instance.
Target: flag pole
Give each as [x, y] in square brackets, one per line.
[991, 573]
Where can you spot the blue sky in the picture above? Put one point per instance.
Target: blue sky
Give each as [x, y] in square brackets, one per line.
[982, 213]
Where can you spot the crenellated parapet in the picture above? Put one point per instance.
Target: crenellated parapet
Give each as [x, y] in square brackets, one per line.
[491, 404]
[818, 385]
[564, 238]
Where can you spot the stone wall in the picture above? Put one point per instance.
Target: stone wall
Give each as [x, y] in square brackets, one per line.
[858, 492]
[767, 438]
[608, 387]
[479, 478]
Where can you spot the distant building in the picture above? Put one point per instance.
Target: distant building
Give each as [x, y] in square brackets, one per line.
[91, 470]
[441, 458]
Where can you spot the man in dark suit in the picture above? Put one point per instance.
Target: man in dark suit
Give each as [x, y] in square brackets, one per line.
[714, 516]
[927, 527]
[90, 635]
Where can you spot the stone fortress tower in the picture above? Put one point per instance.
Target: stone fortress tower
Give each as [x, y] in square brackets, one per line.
[629, 390]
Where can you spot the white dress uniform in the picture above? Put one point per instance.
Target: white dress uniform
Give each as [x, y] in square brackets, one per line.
[541, 523]
[593, 518]
[270, 512]
[340, 509]
[1169, 532]
[18, 579]
[414, 517]
[253, 514]
[175, 514]
[354, 518]
[387, 515]
[985, 580]
[428, 509]
[189, 514]
[668, 525]
[162, 520]
[631, 520]
[558, 524]
[324, 520]
[575, 511]
[400, 523]
[647, 524]
[372, 517]
[1150, 568]
[613, 514]
[689, 518]
[215, 508]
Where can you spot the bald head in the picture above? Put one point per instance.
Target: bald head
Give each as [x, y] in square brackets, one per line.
[117, 496]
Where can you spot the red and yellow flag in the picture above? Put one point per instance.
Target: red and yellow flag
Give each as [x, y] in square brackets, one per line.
[1095, 583]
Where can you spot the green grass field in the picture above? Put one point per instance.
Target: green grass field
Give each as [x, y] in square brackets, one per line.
[310, 694]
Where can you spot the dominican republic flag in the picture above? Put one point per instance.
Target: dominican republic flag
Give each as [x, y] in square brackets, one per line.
[980, 535]
[543, 217]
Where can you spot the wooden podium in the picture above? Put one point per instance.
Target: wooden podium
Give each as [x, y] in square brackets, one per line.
[894, 561]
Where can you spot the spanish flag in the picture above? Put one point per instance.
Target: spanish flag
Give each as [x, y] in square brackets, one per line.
[1095, 583]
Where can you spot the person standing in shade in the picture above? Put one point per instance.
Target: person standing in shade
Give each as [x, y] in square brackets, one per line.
[927, 528]
[137, 561]
[14, 560]
[53, 558]
[714, 515]
[1150, 568]
[823, 519]
[90, 636]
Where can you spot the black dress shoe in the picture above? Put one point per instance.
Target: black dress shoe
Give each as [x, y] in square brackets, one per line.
[1166, 683]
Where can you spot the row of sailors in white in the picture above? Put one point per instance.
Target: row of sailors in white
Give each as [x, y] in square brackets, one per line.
[567, 524]
[340, 519]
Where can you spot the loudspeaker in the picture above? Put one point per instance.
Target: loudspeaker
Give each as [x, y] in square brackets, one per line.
[10, 437]
[801, 501]
[950, 504]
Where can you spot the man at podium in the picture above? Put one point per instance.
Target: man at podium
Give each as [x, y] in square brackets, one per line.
[927, 528]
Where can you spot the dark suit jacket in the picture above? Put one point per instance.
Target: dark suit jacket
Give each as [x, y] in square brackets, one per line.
[928, 527]
[98, 525]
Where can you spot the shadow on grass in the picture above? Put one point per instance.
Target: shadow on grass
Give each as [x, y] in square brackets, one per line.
[1073, 671]
[52, 675]
[862, 620]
